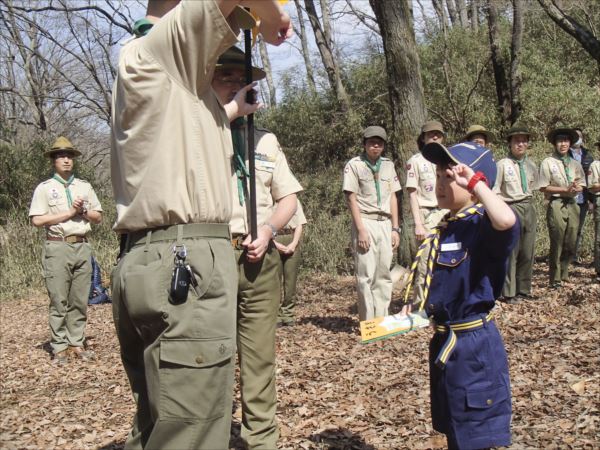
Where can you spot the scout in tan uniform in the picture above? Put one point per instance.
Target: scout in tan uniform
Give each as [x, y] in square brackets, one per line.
[561, 179]
[420, 183]
[479, 135]
[66, 206]
[370, 185]
[259, 288]
[175, 285]
[289, 245]
[594, 191]
[516, 180]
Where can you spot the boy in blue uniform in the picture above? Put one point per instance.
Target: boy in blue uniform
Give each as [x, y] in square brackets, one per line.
[470, 387]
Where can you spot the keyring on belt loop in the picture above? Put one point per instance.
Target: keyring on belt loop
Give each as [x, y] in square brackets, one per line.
[148, 239]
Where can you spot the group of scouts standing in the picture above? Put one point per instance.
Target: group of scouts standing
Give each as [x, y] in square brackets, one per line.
[475, 221]
[192, 288]
[569, 180]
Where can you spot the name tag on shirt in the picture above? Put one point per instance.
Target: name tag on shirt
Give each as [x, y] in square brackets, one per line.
[451, 246]
[265, 165]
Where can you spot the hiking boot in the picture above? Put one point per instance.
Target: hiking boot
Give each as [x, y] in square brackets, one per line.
[80, 353]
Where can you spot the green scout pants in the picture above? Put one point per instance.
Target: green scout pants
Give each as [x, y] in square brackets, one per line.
[430, 218]
[520, 263]
[372, 269]
[562, 216]
[289, 265]
[258, 301]
[596, 200]
[178, 358]
[68, 274]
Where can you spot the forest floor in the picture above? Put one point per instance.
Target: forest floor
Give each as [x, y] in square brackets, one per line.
[333, 391]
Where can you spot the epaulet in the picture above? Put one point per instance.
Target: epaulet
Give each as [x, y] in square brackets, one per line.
[47, 181]
[356, 158]
[80, 180]
[383, 158]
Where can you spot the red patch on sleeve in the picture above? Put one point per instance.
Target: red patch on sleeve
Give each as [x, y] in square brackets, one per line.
[408, 167]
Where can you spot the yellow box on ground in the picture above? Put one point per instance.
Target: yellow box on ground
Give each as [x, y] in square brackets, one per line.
[388, 326]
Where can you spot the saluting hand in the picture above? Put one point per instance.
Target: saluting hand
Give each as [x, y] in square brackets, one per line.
[462, 174]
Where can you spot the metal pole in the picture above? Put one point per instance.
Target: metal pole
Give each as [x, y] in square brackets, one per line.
[250, 136]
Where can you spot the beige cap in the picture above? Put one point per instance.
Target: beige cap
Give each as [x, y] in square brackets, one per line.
[478, 129]
[62, 144]
[375, 131]
[432, 125]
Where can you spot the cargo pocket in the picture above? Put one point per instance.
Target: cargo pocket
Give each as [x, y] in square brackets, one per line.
[194, 376]
[146, 290]
[451, 258]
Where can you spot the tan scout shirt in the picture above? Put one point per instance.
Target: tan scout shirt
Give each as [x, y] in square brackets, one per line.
[552, 173]
[508, 181]
[50, 197]
[594, 176]
[274, 180]
[420, 175]
[359, 179]
[171, 143]
[297, 219]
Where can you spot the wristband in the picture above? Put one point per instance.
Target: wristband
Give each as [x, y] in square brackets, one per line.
[397, 230]
[476, 178]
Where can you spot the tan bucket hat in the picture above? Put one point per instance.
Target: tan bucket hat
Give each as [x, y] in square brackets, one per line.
[478, 129]
[234, 58]
[62, 144]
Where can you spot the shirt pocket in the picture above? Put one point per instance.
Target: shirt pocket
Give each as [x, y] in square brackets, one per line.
[452, 258]
[386, 184]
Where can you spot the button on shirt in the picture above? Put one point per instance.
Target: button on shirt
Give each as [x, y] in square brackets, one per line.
[508, 180]
[470, 267]
[274, 180]
[50, 197]
[171, 142]
[420, 175]
[552, 173]
[358, 178]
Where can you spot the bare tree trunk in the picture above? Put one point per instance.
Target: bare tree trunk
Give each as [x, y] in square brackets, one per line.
[301, 31]
[266, 63]
[475, 15]
[573, 27]
[328, 58]
[440, 12]
[515, 60]
[498, 64]
[325, 14]
[452, 12]
[463, 16]
[405, 91]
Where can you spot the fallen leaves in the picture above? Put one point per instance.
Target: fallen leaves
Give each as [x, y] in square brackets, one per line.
[333, 392]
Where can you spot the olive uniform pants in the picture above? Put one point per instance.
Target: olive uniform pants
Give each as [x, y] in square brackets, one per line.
[289, 266]
[562, 216]
[372, 269]
[178, 357]
[68, 274]
[596, 200]
[430, 218]
[259, 294]
[520, 263]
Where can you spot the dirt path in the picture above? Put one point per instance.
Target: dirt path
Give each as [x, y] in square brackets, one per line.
[334, 393]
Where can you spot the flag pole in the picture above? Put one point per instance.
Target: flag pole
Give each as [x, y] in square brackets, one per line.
[250, 135]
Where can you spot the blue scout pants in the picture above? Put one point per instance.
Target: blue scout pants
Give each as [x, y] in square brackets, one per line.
[470, 396]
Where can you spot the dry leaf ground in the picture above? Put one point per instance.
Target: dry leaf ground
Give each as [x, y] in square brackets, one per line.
[334, 393]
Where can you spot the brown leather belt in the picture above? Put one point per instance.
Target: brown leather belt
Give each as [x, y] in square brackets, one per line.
[69, 239]
[378, 217]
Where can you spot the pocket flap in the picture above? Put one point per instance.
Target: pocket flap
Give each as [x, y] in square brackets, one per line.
[196, 352]
[452, 258]
[483, 399]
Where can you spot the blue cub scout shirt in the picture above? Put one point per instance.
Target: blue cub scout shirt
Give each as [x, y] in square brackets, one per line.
[470, 267]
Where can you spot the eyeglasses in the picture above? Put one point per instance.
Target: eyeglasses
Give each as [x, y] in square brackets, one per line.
[231, 81]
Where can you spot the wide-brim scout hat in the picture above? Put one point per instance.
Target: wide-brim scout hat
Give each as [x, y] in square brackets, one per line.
[478, 129]
[374, 131]
[477, 157]
[569, 132]
[517, 130]
[62, 144]
[432, 125]
[235, 59]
